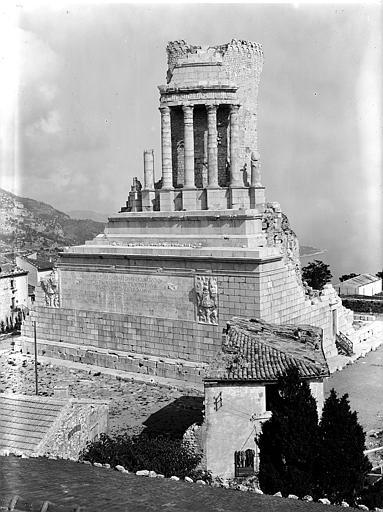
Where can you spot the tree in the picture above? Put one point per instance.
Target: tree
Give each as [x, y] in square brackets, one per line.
[316, 274]
[379, 274]
[347, 276]
[341, 464]
[288, 441]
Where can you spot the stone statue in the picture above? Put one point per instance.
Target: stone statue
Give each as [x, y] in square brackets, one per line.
[207, 300]
[255, 169]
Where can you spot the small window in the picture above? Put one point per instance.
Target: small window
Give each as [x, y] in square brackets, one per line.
[272, 395]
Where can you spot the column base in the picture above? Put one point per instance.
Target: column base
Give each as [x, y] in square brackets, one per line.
[257, 196]
[217, 198]
[148, 199]
[189, 199]
[239, 198]
[166, 200]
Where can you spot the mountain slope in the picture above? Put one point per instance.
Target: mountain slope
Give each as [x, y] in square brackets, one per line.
[30, 225]
[88, 215]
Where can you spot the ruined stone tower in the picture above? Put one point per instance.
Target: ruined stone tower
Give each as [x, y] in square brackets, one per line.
[154, 292]
[208, 130]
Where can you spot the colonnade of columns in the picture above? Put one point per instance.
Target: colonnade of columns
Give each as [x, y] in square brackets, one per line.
[212, 147]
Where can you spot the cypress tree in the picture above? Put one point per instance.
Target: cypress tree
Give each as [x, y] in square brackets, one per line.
[341, 464]
[288, 441]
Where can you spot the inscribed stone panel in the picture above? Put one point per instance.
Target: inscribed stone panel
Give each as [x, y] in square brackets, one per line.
[147, 295]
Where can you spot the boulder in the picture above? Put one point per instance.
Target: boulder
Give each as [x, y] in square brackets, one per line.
[152, 474]
[307, 498]
[160, 476]
[345, 504]
[363, 507]
[107, 466]
[201, 482]
[142, 472]
[97, 464]
[188, 479]
[87, 462]
[293, 497]
[175, 478]
[242, 488]
[278, 494]
[257, 491]
[120, 468]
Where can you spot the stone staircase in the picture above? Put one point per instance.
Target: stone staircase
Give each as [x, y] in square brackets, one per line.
[25, 420]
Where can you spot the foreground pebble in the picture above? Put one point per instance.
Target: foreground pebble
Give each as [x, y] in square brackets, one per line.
[142, 472]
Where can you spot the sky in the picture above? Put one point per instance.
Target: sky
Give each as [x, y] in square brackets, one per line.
[79, 104]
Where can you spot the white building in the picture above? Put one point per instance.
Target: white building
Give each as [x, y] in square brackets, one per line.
[241, 387]
[364, 284]
[13, 290]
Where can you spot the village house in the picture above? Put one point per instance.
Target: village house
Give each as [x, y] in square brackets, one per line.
[241, 387]
[364, 284]
[38, 268]
[13, 291]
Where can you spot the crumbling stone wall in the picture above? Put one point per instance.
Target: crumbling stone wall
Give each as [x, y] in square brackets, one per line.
[79, 423]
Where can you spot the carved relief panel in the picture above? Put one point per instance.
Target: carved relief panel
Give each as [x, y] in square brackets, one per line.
[50, 288]
[206, 290]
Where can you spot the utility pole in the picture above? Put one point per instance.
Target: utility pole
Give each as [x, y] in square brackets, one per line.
[36, 380]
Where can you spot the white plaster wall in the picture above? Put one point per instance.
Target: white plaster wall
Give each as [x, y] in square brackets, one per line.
[229, 429]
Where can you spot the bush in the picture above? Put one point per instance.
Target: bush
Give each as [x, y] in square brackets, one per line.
[161, 454]
[316, 274]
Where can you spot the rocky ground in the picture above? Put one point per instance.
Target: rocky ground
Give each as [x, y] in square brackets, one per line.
[133, 406]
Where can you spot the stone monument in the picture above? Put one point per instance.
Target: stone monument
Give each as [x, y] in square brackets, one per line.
[153, 293]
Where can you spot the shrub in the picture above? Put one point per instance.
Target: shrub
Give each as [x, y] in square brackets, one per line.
[161, 454]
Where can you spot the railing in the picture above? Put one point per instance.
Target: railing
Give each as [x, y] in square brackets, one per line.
[343, 344]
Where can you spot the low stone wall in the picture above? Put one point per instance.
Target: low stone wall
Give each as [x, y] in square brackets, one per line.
[141, 364]
[81, 421]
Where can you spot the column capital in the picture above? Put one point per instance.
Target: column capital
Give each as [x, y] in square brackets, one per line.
[211, 107]
[164, 109]
[188, 113]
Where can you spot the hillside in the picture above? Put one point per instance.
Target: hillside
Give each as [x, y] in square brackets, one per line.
[88, 214]
[29, 225]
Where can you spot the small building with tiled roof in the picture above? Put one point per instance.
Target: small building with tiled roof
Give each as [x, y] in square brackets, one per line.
[241, 385]
[363, 284]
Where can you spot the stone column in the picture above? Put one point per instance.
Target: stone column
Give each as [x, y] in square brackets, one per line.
[166, 146]
[148, 192]
[188, 146]
[212, 150]
[148, 169]
[236, 179]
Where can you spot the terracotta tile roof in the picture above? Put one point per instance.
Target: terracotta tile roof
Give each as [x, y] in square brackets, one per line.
[259, 351]
[25, 420]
